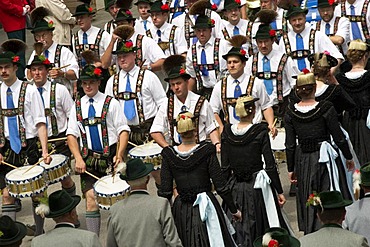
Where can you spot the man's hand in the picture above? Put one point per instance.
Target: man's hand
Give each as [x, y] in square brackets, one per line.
[350, 165]
[237, 216]
[1, 159]
[80, 165]
[47, 158]
[26, 9]
[292, 177]
[55, 73]
[281, 200]
[273, 131]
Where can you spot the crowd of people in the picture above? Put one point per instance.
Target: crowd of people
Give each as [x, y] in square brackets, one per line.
[209, 83]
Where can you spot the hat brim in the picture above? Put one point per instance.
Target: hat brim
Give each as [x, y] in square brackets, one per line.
[243, 58]
[296, 12]
[8, 60]
[203, 25]
[48, 66]
[331, 60]
[341, 204]
[148, 2]
[293, 242]
[83, 13]
[124, 19]
[149, 167]
[86, 78]
[184, 76]
[40, 29]
[22, 231]
[75, 202]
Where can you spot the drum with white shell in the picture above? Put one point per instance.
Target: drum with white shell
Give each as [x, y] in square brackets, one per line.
[278, 145]
[149, 153]
[58, 169]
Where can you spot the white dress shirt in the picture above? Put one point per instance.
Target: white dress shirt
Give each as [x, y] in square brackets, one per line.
[258, 91]
[115, 122]
[33, 108]
[206, 118]
[151, 97]
[63, 105]
[139, 25]
[112, 27]
[343, 31]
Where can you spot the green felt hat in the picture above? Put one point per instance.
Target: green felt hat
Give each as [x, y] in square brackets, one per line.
[83, 9]
[204, 21]
[135, 169]
[326, 3]
[90, 72]
[124, 15]
[232, 4]
[43, 25]
[365, 174]
[108, 4]
[60, 202]
[265, 32]
[143, 1]
[176, 72]
[158, 6]
[11, 231]
[125, 47]
[333, 199]
[9, 57]
[277, 236]
[293, 11]
[236, 51]
[40, 60]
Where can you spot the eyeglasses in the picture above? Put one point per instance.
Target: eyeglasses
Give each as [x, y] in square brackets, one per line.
[42, 36]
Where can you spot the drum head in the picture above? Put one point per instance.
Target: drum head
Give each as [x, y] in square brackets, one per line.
[278, 144]
[106, 185]
[145, 150]
[57, 159]
[17, 174]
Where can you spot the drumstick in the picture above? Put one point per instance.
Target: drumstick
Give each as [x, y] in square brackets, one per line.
[41, 160]
[97, 178]
[12, 166]
[65, 66]
[133, 144]
[114, 169]
[273, 125]
[57, 139]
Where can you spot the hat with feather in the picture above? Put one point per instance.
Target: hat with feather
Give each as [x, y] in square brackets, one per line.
[265, 31]
[90, 72]
[237, 42]
[201, 7]
[174, 66]
[124, 45]
[39, 59]
[10, 49]
[124, 15]
[232, 4]
[39, 24]
[84, 9]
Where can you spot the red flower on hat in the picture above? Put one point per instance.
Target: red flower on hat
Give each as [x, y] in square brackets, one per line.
[15, 59]
[214, 7]
[326, 53]
[128, 12]
[273, 243]
[90, 9]
[305, 71]
[165, 7]
[129, 44]
[46, 61]
[97, 71]
[331, 2]
[243, 52]
[238, 2]
[183, 116]
[50, 24]
[272, 33]
[182, 71]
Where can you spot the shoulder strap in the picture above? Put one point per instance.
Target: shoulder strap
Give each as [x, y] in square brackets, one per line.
[139, 85]
[171, 39]
[170, 109]
[139, 52]
[149, 33]
[224, 98]
[197, 109]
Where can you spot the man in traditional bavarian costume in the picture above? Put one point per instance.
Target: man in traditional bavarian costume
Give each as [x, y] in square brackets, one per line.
[22, 120]
[148, 54]
[177, 8]
[336, 28]
[57, 54]
[203, 58]
[302, 40]
[97, 121]
[237, 83]
[168, 36]
[138, 90]
[144, 22]
[182, 100]
[274, 68]
[358, 13]
[234, 25]
[57, 104]
[112, 9]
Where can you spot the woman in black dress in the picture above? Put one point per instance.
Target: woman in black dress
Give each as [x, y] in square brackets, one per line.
[242, 147]
[312, 163]
[357, 84]
[192, 166]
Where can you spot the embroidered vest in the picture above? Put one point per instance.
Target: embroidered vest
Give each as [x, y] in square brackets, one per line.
[131, 95]
[358, 18]
[139, 51]
[51, 111]
[171, 39]
[198, 67]
[97, 120]
[92, 47]
[170, 116]
[19, 112]
[273, 75]
[228, 101]
[300, 53]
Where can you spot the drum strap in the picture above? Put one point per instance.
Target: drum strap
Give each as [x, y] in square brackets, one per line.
[102, 121]
[139, 51]
[15, 112]
[51, 112]
[199, 67]
[81, 47]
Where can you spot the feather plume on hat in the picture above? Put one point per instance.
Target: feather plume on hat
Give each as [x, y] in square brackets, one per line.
[238, 41]
[267, 16]
[199, 7]
[286, 4]
[173, 61]
[124, 32]
[38, 47]
[39, 14]
[14, 45]
[90, 57]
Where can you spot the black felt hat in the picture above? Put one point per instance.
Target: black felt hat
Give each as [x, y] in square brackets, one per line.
[236, 51]
[176, 72]
[326, 3]
[108, 4]
[83, 9]
[204, 21]
[265, 32]
[124, 47]
[232, 4]
[43, 25]
[158, 6]
[135, 169]
[293, 11]
[40, 60]
[124, 15]
[276, 236]
[333, 199]
[90, 72]
[143, 1]
[11, 231]
[60, 202]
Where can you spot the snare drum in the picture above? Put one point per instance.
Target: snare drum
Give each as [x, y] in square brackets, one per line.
[29, 184]
[108, 192]
[278, 145]
[58, 169]
[149, 153]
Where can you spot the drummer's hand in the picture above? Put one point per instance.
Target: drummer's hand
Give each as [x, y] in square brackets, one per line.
[55, 73]
[47, 158]
[80, 166]
[281, 200]
[218, 147]
[350, 165]
[116, 160]
[292, 177]
[1, 159]
[273, 131]
[237, 216]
